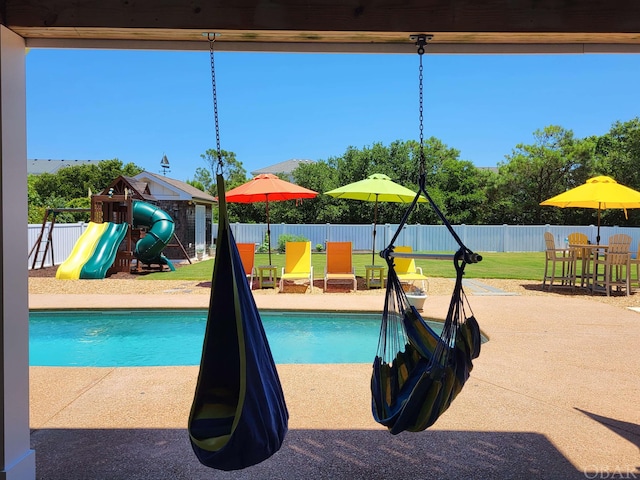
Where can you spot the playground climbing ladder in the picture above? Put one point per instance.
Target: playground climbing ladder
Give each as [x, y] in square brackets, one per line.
[44, 243]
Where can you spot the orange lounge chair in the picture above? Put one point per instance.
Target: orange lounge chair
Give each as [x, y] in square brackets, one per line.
[339, 265]
[247, 255]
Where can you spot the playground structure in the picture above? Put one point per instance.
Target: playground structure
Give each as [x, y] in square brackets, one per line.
[124, 233]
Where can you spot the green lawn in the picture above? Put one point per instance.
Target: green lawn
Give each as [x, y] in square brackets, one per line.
[519, 266]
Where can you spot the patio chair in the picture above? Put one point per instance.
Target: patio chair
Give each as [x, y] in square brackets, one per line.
[297, 263]
[616, 262]
[566, 258]
[406, 269]
[247, 255]
[635, 261]
[583, 257]
[339, 266]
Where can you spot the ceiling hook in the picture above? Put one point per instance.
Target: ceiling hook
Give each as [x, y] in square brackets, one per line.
[421, 40]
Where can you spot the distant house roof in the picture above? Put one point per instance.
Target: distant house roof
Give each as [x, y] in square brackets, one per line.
[287, 167]
[37, 166]
[165, 188]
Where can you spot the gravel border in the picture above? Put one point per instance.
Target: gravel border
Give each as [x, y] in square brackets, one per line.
[436, 286]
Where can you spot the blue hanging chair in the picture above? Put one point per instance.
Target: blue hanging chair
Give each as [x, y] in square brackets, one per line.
[238, 417]
[417, 372]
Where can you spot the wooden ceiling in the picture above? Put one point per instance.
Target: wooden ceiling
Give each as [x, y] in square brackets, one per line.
[464, 26]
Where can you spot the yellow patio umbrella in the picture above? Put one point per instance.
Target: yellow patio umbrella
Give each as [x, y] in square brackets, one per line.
[375, 188]
[600, 193]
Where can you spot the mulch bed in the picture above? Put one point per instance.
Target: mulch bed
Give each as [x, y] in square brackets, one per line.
[50, 272]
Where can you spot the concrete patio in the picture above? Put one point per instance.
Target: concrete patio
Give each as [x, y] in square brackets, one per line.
[553, 395]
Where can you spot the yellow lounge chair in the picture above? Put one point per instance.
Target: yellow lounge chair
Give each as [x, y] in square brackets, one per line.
[406, 268]
[339, 265]
[247, 255]
[297, 263]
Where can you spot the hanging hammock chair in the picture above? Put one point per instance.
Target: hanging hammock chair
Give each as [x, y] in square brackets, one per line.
[417, 372]
[238, 417]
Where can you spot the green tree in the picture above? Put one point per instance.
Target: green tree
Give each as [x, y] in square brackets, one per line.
[462, 191]
[34, 202]
[445, 183]
[232, 170]
[533, 173]
[71, 185]
[83, 202]
[618, 152]
[46, 185]
[453, 184]
[203, 180]
[618, 156]
[354, 165]
[319, 177]
[109, 170]
[234, 175]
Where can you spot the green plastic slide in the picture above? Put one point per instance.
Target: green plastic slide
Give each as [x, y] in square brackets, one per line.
[105, 251]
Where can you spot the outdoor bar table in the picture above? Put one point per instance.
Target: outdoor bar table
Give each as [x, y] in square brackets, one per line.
[588, 253]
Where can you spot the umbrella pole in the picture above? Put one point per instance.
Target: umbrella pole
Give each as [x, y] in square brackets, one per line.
[598, 234]
[595, 272]
[268, 230]
[375, 220]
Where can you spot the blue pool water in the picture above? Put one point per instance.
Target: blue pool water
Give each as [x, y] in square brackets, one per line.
[110, 338]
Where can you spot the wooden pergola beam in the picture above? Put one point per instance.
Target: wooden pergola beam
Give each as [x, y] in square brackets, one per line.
[315, 25]
[524, 16]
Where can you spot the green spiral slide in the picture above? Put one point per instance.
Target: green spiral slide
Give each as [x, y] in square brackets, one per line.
[161, 227]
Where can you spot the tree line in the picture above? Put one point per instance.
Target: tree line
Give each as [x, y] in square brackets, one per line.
[71, 186]
[510, 194]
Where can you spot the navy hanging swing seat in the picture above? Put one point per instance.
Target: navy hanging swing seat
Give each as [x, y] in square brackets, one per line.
[238, 417]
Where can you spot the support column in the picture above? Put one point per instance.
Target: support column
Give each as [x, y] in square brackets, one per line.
[17, 460]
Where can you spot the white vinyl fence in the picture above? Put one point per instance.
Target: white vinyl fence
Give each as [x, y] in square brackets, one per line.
[64, 237]
[432, 238]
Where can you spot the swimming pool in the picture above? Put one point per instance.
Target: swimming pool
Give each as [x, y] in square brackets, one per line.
[120, 338]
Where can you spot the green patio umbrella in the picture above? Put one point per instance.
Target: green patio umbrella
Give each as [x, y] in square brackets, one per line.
[375, 188]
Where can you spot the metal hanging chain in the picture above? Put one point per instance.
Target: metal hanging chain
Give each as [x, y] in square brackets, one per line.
[421, 41]
[421, 95]
[212, 38]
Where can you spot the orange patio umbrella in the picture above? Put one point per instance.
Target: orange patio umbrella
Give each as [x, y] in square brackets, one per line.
[267, 187]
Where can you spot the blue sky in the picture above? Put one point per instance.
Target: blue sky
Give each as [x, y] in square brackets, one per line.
[139, 105]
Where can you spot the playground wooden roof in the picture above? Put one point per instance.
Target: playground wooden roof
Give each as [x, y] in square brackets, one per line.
[136, 189]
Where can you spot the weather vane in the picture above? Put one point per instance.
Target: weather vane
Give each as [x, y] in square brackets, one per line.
[164, 163]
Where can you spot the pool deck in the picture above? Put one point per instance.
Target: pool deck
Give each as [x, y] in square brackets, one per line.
[555, 394]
